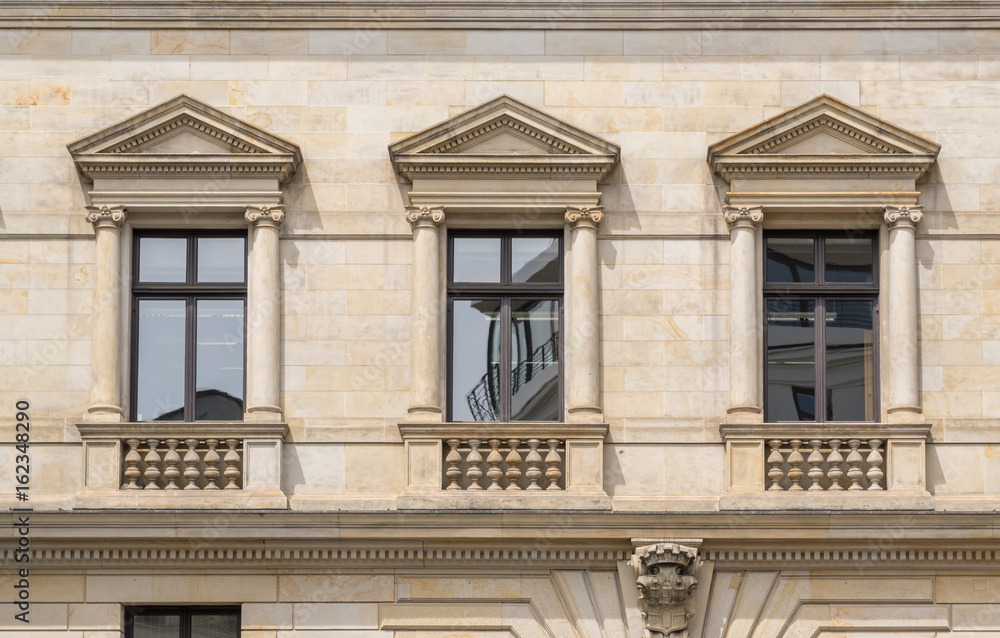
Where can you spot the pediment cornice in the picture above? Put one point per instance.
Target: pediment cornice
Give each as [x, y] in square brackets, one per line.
[153, 143]
[532, 144]
[856, 144]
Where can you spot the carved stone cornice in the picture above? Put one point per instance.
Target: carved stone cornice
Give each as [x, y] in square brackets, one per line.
[666, 582]
[742, 216]
[106, 216]
[425, 215]
[900, 216]
[583, 217]
[265, 215]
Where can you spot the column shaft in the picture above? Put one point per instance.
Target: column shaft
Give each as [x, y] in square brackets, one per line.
[582, 334]
[264, 316]
[106, 400]
[425, 373]
[744, 319]
[904, 387]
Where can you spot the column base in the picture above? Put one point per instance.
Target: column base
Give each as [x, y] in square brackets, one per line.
[905, 414]
[585, 414]
[744, 414]
[263, 414]
[104, 413]
[424, 414]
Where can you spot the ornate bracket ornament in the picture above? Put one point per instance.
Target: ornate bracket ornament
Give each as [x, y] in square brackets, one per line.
[424, 214]
[666, 583]
[106, 215]
[735, 214]
[906, 215]
[265, 214]
[586, 216]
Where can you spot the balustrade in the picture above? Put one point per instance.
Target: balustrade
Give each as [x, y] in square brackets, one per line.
[825, 464]
[504, 464]
[157, 464]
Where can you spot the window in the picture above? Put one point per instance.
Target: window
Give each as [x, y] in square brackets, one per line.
[182, 622]
[505, 305]
[188, 309]
[821, 309]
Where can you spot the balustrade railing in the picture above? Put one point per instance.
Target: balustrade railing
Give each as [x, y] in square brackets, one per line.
[825, 464]
[504, 464]
[183, 464]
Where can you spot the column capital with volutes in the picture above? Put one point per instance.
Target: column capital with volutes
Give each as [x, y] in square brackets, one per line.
[106, 216]
[903, 216]
[743, 215]
[265, 215]
[425, 215]
[584, 216]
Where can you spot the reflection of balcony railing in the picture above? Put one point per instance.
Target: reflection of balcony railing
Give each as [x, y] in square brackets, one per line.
[482, 399]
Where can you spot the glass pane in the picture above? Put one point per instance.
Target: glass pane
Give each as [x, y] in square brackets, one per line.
[477, 259]
[162, 259]
[219, 385]
[791, 360]
[534, 259]
[475, 360]
[160, 387]
[217, 625]
[166, 626]
[850, 360]
[534, 363]
[221, 259]
[790, 259]
[849, 260]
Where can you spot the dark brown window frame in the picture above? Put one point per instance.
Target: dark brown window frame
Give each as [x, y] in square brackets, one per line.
[505, 291]
[190, 291]
[184, 613]
[819, 291]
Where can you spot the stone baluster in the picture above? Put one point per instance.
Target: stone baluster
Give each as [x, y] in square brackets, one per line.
[454, 461]
[191, 461]
[553, 460]
[775, 460]
[232, 461]
[172, 459]
[152, 459]
[474, 459]
[513, 464]
[534, 462]
[875, 473]
[815, 459]
[795, 460]
[854, 466]
[212, 464]
[493, 459]
[835, 462]
[132, 460]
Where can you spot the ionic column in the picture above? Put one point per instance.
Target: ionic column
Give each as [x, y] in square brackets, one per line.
[744, 315]
[425, 373]
[264, 315]
[105, 397]
[582, 336]
[904, 388]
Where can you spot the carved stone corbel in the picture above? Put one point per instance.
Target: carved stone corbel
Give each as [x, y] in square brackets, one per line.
[666, 583]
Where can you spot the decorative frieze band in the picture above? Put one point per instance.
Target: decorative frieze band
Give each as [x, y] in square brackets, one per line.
[870, 554]
[903, 215]
[265, 215]
[585, 216]
[106, 215]
[423, 215]
[738, 214]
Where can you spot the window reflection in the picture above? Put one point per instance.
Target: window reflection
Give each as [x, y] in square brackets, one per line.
[791, 360]
[221, 259]
[156, 626]
[477, 259]
[160, 382]
[214, 626]
[790, 260]
[475, 364]
[534, 259]
[219, 356]
[850, 360]
[534, 360]
[162, 259]
[849, 260]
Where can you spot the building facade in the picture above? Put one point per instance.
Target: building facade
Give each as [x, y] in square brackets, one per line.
[421, 320]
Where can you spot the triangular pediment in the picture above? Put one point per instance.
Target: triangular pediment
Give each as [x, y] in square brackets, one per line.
[821, 136]
[504, 135]
[184, 136]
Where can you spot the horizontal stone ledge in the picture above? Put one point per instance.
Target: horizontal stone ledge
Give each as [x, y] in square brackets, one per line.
[825, 431]
[221, 499]
[179, 430]
[868, 500]
[520, 430]
[504, 500]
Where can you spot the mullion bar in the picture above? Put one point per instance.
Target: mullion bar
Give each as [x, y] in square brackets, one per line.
[819, 356]
[505, 349]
